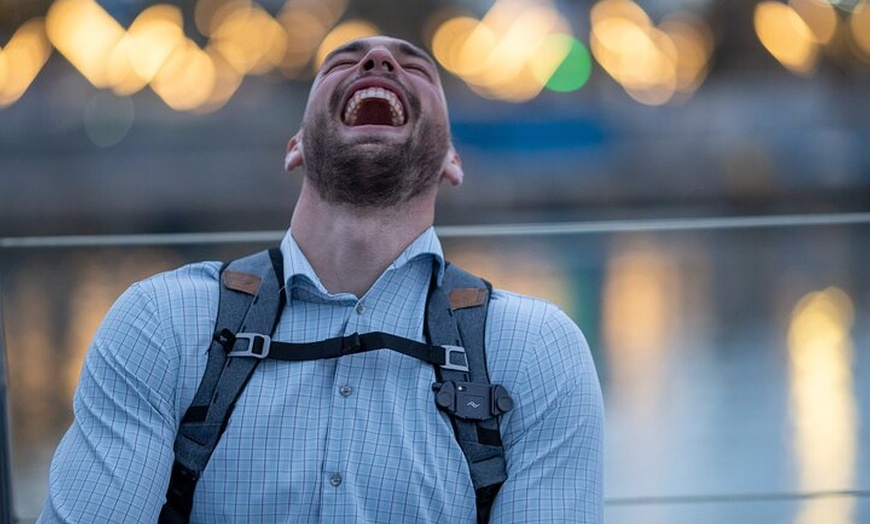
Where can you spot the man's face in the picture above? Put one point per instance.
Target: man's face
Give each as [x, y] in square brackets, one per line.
[375, 131]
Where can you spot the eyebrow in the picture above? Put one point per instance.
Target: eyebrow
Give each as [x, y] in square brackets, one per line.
[402, 47]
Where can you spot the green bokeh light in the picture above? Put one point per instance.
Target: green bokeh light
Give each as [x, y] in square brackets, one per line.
[574, 71]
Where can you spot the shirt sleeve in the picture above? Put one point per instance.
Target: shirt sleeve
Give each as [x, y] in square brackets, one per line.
[554, 436]
[113, 464]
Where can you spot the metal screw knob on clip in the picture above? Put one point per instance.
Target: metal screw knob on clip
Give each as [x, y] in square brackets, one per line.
[257, 345]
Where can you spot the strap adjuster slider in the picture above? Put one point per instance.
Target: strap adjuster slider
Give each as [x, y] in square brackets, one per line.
[455, 359]
[257, 346]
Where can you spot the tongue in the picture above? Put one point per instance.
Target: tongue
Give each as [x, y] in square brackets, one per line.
[374, 112]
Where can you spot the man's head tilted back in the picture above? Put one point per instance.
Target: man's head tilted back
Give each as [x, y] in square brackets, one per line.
[375, 131]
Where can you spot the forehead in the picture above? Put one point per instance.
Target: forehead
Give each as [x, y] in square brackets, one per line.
[393, 45]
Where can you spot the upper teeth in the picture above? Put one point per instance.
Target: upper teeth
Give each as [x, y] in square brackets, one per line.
[353, 105]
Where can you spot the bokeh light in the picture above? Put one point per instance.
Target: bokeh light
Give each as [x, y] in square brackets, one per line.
[859, 26]
[248, 38]
[86, 35]
[823, 405]
[513, 52]
[570, 61]
[149, 41]
[22, 59]
[820, 17]
[187, 79]
[654, 64]
[786, 36]
[342, 34]
[305, 23]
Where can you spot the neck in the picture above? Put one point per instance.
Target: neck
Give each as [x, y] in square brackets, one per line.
[350, 247]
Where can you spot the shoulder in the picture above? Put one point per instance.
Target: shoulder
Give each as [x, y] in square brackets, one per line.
[186, 282]
[160, 322]
[533, 326]
[533, 344]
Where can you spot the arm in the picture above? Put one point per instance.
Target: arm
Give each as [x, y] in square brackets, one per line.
[113, 463]
[554, 437]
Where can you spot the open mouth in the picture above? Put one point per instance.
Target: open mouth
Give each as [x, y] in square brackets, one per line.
[374, 106]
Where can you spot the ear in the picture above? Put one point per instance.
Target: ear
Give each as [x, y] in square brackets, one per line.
[452, 167]
[293, 158]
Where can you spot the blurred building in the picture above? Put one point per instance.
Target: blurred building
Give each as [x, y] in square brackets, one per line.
[122, 116]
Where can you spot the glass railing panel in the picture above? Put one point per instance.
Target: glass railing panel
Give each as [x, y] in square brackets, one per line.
[732, 357]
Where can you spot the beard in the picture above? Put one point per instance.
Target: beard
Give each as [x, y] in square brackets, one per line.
[371, 172]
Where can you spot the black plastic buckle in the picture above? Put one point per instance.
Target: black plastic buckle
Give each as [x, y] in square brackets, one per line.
[455, 359]
[472, 401]
[351, 344]
[257, 346]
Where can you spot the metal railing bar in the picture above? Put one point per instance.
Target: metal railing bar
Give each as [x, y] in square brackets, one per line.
[6, 502]
[736, 497]
[486, 230]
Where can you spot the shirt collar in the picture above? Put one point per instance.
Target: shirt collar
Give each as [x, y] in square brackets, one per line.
[297, 267]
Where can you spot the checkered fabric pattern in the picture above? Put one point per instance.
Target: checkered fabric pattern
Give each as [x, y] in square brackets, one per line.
[349, 440]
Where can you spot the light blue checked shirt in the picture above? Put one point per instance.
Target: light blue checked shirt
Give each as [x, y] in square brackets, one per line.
[348, 440]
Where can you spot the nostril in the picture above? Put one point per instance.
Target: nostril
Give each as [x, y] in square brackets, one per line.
[387, 65]
[369, 64]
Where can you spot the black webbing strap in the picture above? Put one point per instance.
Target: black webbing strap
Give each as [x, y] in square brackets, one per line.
[480, 440]
[262, 347]
[207, 416]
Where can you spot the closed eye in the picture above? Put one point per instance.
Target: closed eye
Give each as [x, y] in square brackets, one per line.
[340, 64]
[418, 69]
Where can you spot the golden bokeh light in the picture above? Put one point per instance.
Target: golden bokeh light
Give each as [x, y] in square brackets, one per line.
[211, 14]
[475, 51]
[518, 40]
[302, 40]
[226, 82]
[786, 36]
[509, 54]
[144, 48]
[693, 41]
[86, 35]
[448, 40]
[548, 55]
[641, 304]
[187, 79]
[248, 38]
[823, 404]
[306, 23]
[619, 9]
[859, 27]
[641, 58]
[820, 17]
[652, 63]
[342, 34]
[22, 59]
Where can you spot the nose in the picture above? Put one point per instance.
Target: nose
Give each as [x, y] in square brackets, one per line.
[379, 60]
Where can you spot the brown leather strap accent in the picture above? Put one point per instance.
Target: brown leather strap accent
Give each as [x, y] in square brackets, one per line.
[463, 297]
[244, 282]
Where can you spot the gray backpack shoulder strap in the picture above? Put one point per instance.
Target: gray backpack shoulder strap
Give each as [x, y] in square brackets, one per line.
[456, 316]
[251, 300]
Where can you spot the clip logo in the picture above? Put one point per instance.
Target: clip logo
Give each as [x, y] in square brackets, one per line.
[473, 404]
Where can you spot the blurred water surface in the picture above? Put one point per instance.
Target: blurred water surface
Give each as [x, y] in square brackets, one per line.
[733, 362]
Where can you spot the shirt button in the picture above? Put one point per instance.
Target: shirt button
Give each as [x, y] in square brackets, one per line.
[345, 391]
[335, 479]
[360, 308]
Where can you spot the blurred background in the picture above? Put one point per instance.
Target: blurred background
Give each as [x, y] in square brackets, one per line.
[697, 173]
